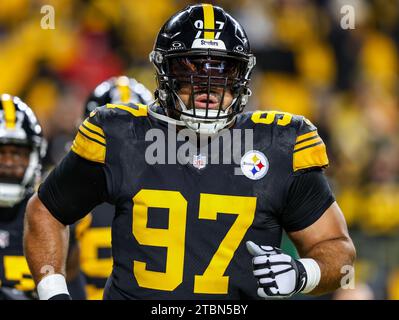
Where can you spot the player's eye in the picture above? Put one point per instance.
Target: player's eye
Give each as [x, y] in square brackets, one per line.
[215, 68]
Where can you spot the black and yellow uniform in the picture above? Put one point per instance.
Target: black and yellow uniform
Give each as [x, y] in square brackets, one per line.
[14, 270]
[179, 232]
[95, 249]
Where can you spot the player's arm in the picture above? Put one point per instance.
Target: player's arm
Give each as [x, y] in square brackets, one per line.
[327, 242]
[313, 221]
[72, 190]
[317, 227]
[312, 217]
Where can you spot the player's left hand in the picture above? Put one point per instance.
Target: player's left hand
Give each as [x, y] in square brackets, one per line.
[278, 274]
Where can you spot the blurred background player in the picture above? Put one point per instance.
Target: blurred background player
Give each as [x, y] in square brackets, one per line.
[94, 231]
[22, 148]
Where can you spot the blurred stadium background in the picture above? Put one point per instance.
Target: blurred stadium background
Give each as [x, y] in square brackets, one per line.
[345, 81]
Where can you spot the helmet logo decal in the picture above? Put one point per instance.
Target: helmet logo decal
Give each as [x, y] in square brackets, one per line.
[207, 26]
[199, 24]
[208, 44]
[238, 48]
[177, 45]
[254, 165]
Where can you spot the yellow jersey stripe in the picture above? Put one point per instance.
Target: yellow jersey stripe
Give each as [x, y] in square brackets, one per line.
[306, 136]
[209, 21]
[88, 149]
[140, 112]
[307, 143]
[90, 138]
[309, 157]
[93, 127]
[10, 115]
[95, 136]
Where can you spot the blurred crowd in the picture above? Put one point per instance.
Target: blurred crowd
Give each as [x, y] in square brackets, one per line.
[343, 80]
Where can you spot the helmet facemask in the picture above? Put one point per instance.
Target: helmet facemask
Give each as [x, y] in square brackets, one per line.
[204, 91]
[14, 188]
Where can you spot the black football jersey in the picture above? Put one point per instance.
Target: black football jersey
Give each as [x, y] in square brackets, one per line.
[94, 235]
[179, 230]
[14, 270]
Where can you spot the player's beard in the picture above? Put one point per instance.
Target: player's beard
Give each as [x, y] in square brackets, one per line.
[201, 99]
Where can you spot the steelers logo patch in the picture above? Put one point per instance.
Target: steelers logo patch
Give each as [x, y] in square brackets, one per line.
[254, 165]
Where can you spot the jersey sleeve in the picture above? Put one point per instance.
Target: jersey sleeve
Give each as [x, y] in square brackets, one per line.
[90, 141]
[74, 188]
[309, 196]
[309, 149]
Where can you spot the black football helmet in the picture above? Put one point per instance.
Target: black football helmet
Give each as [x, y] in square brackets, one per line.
[19, 126]
[118, 90]
[205, 49]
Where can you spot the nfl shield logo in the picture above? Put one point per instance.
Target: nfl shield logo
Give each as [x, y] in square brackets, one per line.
[199, 161]
[4, 239]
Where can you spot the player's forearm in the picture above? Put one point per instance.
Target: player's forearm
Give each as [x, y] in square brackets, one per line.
[332, 255]
[45, 241]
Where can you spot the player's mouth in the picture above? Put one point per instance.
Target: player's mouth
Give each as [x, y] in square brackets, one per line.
[11, 174]
[201, 101]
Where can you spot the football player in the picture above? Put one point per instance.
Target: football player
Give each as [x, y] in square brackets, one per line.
[22, 148]
[197, 230]
[94, 231]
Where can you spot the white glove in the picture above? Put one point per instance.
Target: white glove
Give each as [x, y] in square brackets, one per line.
[278, 274]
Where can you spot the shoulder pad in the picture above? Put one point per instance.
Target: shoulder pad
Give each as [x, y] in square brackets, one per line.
[279, 118]
[309, 149]
[90, 142]
[135, 109]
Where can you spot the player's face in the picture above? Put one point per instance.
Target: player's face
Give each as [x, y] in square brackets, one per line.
[14, 160]
[205, 82]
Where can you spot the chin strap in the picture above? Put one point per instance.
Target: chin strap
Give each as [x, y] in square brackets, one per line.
[12, 193]
[198, 125]
[201, 126]
[164, 118]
